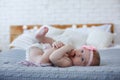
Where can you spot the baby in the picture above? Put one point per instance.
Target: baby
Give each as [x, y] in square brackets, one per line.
[68, 56]
[49, 51]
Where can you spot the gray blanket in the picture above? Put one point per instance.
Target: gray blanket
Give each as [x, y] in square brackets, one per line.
[10, 69]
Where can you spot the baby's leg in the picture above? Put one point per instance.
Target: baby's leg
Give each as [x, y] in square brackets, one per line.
[40, 34]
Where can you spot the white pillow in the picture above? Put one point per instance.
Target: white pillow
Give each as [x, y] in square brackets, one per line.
[24, 40]
[100, 39]
[84, 30]
[87, 30]
[73, 37]
[105, 27]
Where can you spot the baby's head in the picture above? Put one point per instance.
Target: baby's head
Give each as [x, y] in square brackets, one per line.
[85, 56]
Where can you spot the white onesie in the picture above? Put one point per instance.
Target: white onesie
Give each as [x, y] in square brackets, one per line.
[41, 46]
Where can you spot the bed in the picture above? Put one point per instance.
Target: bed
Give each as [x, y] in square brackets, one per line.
[11, 69]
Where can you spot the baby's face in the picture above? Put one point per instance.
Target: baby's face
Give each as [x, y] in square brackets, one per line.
[80, 57]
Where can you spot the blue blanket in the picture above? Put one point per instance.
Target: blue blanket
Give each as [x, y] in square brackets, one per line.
[10, 69]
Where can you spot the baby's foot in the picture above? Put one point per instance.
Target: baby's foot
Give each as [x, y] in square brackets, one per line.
[41, 32]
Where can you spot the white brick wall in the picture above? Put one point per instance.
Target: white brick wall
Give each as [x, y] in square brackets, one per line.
[57, 12]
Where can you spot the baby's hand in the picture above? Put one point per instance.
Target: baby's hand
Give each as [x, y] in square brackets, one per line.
[57, 44]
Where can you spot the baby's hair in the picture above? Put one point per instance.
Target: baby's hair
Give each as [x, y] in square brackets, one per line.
[96, 58]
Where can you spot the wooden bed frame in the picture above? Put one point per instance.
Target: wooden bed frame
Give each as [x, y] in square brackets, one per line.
[16, 30]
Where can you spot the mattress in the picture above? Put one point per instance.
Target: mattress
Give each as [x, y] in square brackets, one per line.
[10, 69]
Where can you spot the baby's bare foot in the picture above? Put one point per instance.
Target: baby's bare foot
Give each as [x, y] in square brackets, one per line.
[41, 32]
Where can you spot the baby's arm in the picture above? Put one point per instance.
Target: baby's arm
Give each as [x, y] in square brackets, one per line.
[58, 56]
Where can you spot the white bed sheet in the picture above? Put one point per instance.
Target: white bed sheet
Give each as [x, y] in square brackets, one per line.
[111, 48]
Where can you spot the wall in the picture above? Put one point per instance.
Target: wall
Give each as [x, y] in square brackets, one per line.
[57, 12]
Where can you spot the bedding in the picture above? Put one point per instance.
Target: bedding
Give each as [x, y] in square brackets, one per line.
[27, 38]
[10, 69]
[72, 34]
[100, 39]
[105, 27]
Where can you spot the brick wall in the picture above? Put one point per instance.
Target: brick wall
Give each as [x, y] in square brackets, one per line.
[57, 12]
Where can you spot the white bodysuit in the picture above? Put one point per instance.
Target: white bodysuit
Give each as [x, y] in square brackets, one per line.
[41, 46]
